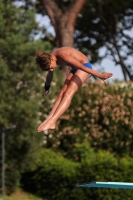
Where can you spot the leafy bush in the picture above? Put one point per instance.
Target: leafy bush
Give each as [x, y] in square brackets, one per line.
[101, 114]
[56, 177]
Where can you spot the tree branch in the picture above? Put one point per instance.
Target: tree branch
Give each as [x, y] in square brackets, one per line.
[73, 10]
[124, 70]
[52, 10]
[55, 13]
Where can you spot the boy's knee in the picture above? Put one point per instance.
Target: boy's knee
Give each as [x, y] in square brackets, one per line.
[62, 91]
[69, 93]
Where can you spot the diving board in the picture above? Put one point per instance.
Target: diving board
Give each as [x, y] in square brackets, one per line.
[122, 185]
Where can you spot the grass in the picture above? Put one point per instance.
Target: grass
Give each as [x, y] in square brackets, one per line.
[20, 195]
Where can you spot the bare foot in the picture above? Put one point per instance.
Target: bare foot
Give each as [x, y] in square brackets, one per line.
[45, 127]
[44, 122]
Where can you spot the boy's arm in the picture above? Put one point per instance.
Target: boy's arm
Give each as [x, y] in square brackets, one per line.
[47, 83]
[72, 61]
[49, 77]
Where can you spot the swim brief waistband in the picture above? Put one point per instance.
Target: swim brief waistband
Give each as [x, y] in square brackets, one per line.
[88, 65]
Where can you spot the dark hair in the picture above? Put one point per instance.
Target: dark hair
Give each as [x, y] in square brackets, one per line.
[43, 60]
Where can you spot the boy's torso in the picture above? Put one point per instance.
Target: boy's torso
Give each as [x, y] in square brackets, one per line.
[69, 51]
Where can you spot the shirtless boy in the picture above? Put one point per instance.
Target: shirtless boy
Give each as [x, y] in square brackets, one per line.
[80, 72]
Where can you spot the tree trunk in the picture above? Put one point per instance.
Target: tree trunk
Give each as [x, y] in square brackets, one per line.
[63, 22]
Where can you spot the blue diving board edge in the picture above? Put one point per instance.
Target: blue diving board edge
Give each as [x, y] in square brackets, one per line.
[122, 185]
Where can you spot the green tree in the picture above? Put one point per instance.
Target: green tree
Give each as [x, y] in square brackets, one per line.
[21, 87]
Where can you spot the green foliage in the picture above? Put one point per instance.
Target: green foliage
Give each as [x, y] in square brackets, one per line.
[53, 173]
[56, 177]
[104, 119]
[20, 90]
[101, 114]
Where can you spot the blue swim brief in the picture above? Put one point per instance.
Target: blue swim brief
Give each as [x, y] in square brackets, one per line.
[88, 65]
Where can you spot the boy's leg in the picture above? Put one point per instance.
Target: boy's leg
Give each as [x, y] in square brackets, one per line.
[60, 96]
[59, 99]
[75, 83]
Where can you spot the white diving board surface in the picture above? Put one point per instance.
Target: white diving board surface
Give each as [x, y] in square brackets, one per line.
[122, 185]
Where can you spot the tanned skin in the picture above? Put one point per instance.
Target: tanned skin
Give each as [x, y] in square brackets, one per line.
[73, 58]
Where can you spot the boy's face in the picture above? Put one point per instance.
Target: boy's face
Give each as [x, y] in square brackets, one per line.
[53, 63]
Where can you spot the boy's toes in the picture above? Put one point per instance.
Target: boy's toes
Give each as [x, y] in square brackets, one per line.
[39, 130]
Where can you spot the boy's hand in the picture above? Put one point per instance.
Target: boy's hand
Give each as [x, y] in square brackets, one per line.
[46, 92]
[46, 89]
[105, 75]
